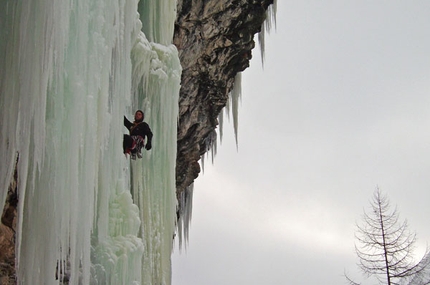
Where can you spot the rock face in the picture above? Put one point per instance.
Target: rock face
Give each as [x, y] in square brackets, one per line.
[214, 40]
[7, 233]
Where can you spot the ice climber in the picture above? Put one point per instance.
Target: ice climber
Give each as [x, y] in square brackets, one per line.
[133, 143]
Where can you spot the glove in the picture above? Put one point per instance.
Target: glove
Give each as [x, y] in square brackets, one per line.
[148, 146]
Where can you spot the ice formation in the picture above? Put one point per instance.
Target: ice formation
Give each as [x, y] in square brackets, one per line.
[69, 71]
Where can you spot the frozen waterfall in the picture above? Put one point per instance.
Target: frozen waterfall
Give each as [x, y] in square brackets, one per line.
[69, 71]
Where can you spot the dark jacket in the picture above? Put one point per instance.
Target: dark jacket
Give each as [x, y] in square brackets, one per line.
[139, 129]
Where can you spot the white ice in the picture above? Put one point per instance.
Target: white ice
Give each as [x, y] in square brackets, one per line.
[69, 71]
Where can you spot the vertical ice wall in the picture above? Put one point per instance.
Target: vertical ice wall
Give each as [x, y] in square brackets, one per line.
[156, 91]
[69, 71]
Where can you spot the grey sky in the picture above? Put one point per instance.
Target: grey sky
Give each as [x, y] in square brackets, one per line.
[341, 106]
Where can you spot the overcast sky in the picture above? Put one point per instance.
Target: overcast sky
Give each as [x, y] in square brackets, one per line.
[342, 106]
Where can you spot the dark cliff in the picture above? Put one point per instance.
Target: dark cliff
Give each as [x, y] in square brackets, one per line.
[214, 40]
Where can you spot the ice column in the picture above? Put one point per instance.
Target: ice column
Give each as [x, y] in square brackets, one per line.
[156, 91]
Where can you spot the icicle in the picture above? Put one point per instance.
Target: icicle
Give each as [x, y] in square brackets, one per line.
[232, 105]
[221, 125]
[184, 215]
[227, 108]
[210, 144]
[266, 27]
[214, 149]
[261, 41]
[235, 97]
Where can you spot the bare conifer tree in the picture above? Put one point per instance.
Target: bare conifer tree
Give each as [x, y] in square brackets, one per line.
[385, 246]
